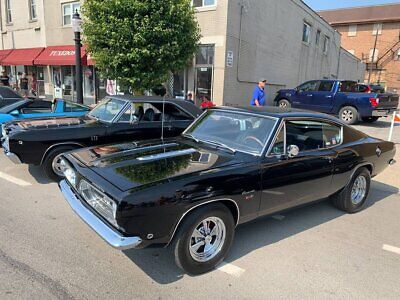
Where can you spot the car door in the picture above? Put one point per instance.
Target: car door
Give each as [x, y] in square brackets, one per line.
[322, 100]
[292, 181]
[304, 95]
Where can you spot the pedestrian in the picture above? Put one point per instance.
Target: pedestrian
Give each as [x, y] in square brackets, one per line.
[206, 103]
[24, 85]
[190, 98]
[5, 80]
[259, 94]
[34, 85]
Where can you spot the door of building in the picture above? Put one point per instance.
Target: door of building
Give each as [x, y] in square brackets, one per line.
[204, 83]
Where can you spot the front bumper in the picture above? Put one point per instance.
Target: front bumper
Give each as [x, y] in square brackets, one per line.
[112, 237]
[382, 112]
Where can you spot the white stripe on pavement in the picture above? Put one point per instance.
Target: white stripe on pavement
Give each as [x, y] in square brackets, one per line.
[230, 269]
[391, 249]
[278, 217]
[14, 180]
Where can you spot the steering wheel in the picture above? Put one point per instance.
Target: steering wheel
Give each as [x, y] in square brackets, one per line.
[253, 138]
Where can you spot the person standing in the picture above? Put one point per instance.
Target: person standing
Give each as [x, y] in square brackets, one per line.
[5, 80]
[190, 98]
[259, 97]
[24, 85]
[34, 85]
[206, 103]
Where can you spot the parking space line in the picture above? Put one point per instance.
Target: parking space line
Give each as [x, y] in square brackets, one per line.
[14, 180]
[278, 217]
[391, 249]
[231, 269]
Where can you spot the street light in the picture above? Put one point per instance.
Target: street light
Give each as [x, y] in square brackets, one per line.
[77, 28]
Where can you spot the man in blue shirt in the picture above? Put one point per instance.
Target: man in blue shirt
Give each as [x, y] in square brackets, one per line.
[259, 94]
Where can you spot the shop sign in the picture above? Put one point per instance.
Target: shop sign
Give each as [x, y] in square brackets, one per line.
[229, 59]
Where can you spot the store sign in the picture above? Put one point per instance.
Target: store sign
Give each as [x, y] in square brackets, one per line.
[229, 59]
[58, 93]
[62, 53]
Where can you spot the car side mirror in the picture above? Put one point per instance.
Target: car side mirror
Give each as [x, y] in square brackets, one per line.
[293, 151]
[134, 120]
[14, 113]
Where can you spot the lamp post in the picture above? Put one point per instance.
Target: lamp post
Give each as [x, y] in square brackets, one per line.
[76, 26]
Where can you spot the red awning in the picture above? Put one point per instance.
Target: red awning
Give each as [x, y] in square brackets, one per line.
[22, 57]
[59, 56]
[4, 54]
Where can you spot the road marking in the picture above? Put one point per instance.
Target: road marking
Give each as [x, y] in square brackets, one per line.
[391, 249]
[231, 269]
[14, 180]
[278, 217]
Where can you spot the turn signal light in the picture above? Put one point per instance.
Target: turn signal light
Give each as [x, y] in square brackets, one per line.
[374, 102]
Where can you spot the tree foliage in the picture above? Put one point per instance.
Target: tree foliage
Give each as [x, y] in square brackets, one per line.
[140, 41]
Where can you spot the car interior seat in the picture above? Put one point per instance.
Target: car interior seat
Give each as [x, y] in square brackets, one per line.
[149, 115]
[139, 113]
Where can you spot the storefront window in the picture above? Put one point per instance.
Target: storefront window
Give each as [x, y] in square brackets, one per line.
[204, 72]
[179, 85]
[205, 55]
[88, 82]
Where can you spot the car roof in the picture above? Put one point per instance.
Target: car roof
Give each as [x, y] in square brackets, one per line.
[7, 92]
[280, 113]
[183, 104]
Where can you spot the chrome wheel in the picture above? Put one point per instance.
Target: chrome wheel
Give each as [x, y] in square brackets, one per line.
[359, 190]
[207, 239]
[283, 104]
[347, 115]
[56, 165]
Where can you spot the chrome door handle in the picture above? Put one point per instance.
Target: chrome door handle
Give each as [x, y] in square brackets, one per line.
[309, 95]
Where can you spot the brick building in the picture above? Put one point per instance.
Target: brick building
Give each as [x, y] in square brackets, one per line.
[372, 33]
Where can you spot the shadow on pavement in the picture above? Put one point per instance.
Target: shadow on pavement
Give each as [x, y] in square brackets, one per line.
[158, 263]
[378, 124]
[38, 174]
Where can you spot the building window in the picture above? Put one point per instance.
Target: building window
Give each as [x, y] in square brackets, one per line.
[326, 44]
[306, 33]
[318, 37]
[204, 3]
[352, 30]
[68, 10]
[377, 29]
[8, 11]
[205, 55]
[353, 52]
[32, 10]
[375, 55]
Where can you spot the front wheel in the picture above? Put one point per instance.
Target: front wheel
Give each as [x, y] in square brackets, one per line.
[370, 119]
[204, 239]
[349, 115]
[52, 163]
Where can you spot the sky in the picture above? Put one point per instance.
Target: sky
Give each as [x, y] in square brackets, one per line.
[331, 4]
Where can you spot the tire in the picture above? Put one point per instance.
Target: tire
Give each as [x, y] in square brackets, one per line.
[192, 262]
[370, 119]
[346, 200]
[48, 162]
[284, 103]
[349, 115]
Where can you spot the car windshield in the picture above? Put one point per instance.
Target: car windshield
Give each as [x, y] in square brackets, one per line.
[234, 131]
[9, 108]
[107, 109]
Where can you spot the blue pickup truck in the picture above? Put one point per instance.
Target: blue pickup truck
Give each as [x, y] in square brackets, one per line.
[341, 98]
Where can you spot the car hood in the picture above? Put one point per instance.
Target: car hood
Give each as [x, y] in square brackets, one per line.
[128, 166]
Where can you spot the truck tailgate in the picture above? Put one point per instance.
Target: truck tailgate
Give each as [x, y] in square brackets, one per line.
[388, 101]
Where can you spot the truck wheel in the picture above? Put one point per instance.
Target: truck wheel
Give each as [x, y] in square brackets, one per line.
[349, 115]
[353, 198]
[370, 119]
[283, 103]
[204, 239]
[51, 164]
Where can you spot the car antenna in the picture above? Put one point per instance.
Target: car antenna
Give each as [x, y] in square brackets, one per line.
[163, 119]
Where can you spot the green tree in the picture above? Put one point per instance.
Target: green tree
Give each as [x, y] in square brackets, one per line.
[138, 42]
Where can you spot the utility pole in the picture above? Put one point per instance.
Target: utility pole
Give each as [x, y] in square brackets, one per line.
[373, 55]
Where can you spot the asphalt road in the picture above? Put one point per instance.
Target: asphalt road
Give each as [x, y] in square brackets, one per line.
[317, 252]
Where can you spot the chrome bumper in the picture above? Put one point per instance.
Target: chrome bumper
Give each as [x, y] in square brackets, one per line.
[113, 238]
[14, 158]
[382, 113]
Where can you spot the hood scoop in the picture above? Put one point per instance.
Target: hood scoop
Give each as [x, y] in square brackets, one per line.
[167, 155]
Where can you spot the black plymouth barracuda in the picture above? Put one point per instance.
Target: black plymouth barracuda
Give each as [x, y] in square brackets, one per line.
[229, 167]
[116, 119]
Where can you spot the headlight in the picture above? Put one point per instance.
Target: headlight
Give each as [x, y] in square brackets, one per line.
[69, 172]
[99, 201]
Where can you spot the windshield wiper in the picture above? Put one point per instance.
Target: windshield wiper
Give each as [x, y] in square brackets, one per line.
[190, 136]
[219, 144]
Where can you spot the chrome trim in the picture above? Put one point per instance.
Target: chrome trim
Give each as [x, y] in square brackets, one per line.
[282, 125]
[167, 155]
[113, 238]
[359, 167]
[59, 144]
[198, 205]
[14, 158]
[392, 162]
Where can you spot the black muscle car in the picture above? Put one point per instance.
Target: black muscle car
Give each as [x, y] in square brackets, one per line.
[229, 167]
[116, 119]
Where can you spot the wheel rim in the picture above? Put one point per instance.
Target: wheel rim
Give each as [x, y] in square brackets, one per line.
[56, 165]
[347, 115]
[359, 190]
[207, 239]
[282, 104]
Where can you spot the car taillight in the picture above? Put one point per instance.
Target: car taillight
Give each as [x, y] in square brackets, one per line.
[374, 102]
[368, 90]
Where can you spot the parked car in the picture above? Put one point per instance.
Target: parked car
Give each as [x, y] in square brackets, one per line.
[29, 109]
[371, 88]
[229, 167]
[8, 96]
[116, 119]
[340, 98]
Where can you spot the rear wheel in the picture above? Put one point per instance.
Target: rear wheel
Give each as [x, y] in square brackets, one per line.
[353, 198]
[349, 115]
[204, 239]
[52, 163]
[370, 119]
[283, 103]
